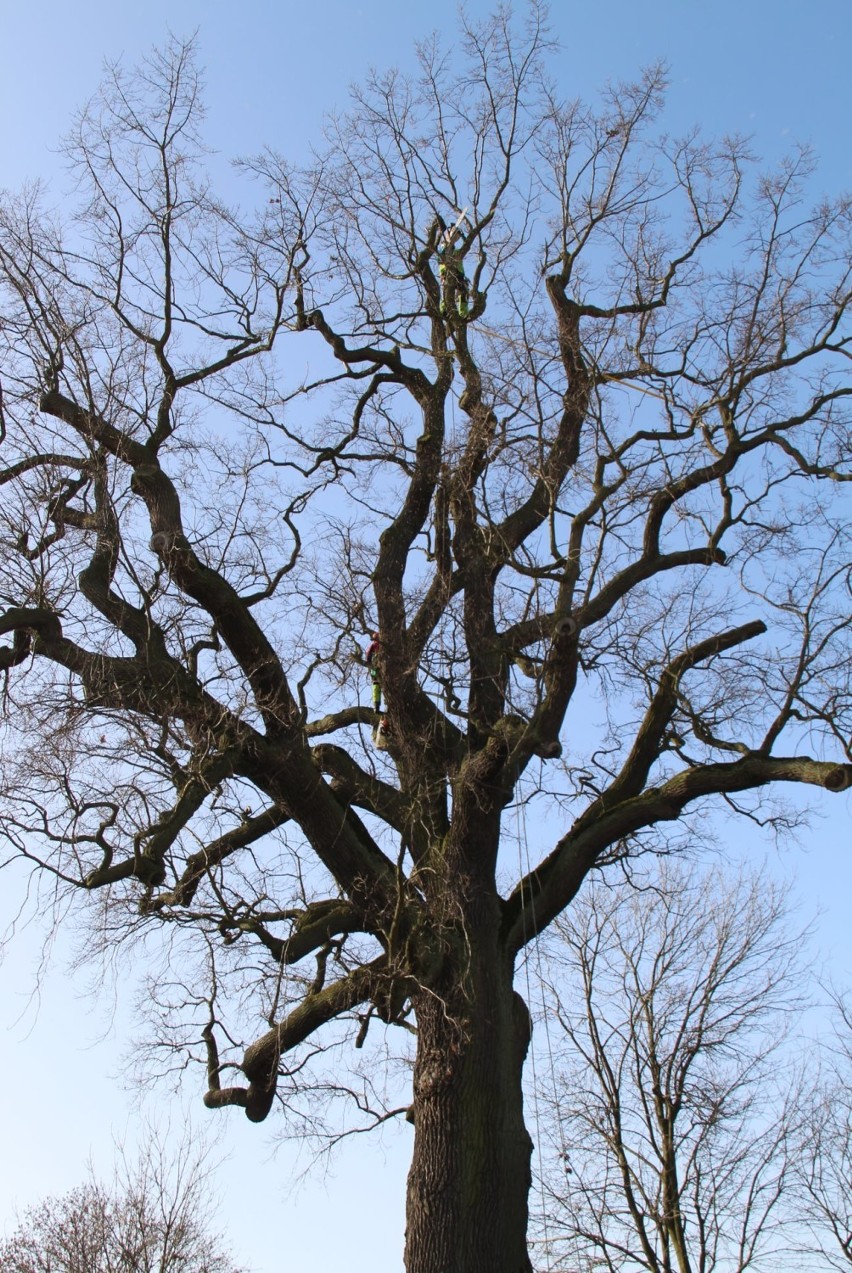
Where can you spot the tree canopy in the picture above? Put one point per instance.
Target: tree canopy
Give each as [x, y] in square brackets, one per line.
[154, 1216]
[553, 402]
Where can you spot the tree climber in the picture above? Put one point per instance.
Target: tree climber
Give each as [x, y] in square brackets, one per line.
[454, 284]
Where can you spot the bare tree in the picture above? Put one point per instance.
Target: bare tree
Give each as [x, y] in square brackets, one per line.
[155, 1216]
[824, 1160]
[676, 1122]
[553, 402]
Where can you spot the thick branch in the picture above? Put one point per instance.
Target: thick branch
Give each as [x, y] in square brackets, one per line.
[260, 1063]
[355, 785]
[233, 618]
[547, 890]
[199, 864]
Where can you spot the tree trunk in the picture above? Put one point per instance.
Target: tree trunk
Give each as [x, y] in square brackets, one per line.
[470, 1177]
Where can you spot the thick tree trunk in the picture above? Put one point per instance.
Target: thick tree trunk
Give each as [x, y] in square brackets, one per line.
[470, 1176]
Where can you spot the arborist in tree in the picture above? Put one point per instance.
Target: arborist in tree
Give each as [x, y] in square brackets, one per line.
[371, 658]
[454, 284]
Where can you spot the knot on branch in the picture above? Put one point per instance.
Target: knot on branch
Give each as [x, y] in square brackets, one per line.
[259, 1098]
[566, 626]
[149, 870]
[164, 542]
[839, 779]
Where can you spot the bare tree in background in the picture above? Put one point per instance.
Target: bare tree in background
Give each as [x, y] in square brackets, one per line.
[155, 1216]
[555, 403]
[824, 1161]
[676, 1123]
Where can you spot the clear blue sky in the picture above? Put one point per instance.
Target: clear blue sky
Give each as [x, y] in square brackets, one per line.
[774, 69]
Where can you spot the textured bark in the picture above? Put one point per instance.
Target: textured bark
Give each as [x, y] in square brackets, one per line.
[470, 1175]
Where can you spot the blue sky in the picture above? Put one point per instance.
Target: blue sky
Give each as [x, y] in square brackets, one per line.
[753, 66]
[777, 71]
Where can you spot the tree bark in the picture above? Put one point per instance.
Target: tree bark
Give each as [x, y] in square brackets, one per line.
[470, 1176]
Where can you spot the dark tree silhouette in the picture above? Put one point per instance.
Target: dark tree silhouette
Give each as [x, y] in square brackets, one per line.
[555, 403]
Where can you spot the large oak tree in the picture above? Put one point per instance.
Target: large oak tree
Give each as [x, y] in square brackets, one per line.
[555, 402]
